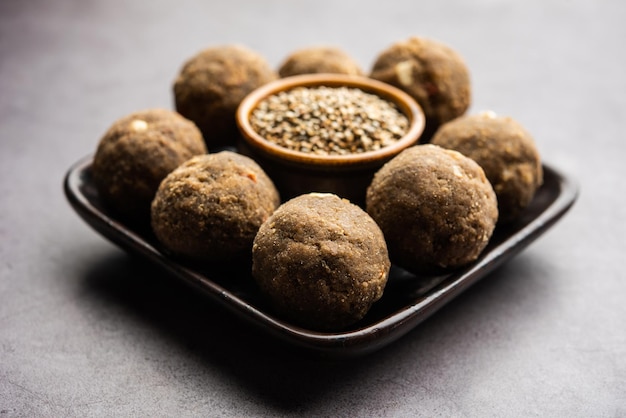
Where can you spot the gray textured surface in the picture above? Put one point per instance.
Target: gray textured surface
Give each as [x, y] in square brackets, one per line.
[85, 330]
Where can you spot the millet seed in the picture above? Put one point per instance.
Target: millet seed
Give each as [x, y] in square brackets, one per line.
[329, 120]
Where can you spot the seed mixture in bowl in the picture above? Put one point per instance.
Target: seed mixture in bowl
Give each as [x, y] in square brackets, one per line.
[329, 120]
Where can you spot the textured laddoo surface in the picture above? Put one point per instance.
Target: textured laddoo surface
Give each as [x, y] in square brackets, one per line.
[210, 208]
[431, 72]
[435, 207]
[319, 59]
[506, 152]
[211, 85]
[136, 153]
[321, 260]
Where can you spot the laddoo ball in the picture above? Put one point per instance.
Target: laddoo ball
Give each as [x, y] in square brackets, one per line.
[431, 72]
[210, 208]
[321, 261]
[506, 152]
[319, 59]
[136, 153]
[211, 85]
[435, 207]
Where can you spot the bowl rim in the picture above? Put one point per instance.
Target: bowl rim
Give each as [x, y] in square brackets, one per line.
[407, 105]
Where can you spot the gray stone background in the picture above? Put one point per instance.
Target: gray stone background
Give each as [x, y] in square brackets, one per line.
[86, 330]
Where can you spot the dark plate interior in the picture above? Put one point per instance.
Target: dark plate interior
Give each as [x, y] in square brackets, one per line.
[407, 300]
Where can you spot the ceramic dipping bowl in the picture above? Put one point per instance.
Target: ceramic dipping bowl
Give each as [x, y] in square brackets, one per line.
[297, 172]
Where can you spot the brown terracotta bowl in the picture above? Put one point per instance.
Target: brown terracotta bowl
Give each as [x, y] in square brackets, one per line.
[296, 172]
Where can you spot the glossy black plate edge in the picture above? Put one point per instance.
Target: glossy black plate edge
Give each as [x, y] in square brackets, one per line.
[357, 342]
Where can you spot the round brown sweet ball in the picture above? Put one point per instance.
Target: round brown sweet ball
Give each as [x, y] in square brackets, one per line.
[506, 152]
[321, 261]
[212, 84]
[319, 59]
[435, 207]
[210, 208]
[434, 74]
[136, 153]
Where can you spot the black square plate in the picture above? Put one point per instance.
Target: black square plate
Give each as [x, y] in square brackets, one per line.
[407, 301]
